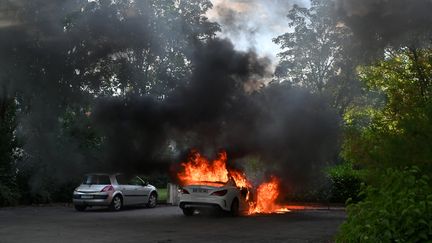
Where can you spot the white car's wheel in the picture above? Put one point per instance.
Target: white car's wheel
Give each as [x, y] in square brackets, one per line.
[116, 203]
[235, 208]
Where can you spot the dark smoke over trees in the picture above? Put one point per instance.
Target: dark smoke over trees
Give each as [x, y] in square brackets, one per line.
[57, 57]
[130, 86]
[318, 54]
[378, 24]
[288, 128]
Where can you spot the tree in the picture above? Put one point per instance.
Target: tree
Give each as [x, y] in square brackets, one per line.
[58, 57]
[143, 47]
[396, 131]
[315, 54]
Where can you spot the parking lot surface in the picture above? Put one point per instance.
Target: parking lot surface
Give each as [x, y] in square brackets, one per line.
[163, 224]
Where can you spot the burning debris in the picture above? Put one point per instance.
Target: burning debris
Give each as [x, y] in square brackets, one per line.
[199, 170]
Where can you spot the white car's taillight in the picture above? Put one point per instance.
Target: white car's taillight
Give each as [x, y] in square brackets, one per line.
[107, 188]
[219, 193]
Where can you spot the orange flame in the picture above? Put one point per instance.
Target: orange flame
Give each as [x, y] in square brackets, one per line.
[266, 196]
[200, 169]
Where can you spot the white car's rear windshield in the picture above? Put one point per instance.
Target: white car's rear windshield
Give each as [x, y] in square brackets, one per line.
[207, 183]
[96, 180]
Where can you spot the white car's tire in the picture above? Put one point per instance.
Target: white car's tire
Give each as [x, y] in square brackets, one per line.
[235, 208]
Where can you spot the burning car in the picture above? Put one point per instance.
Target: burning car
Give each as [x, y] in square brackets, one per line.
[211, 184]
[114, 191]
[217, 195]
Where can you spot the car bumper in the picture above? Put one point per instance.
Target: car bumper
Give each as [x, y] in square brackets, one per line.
[92, 199]
[187, 201]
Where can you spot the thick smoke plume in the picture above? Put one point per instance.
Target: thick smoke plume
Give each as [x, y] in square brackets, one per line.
[379, 23]
[222, 105]
[293, 132]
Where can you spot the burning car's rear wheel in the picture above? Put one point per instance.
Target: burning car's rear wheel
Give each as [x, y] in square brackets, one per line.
[188, 211]
[116, 203]
[235, 208]
[80, 207]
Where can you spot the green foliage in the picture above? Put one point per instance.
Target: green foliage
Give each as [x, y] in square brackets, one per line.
[398, 209]
[162, 195]
[397, 129]
[159, 180]
[345, 183]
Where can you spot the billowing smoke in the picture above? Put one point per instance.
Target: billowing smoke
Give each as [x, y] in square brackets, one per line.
[54, 58]
[293, 132]
[379, 23]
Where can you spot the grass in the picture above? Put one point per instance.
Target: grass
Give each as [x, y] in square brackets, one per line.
[162, 195]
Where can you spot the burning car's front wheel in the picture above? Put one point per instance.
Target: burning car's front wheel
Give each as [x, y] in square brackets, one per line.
[188, 211]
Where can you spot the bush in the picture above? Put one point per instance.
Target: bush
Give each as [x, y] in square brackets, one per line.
[8, 196]
[399, 209]
[345, 183]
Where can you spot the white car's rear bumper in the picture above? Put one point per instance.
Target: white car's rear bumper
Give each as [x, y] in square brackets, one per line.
[193, 201]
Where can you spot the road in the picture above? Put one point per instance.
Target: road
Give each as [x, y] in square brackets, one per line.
[163, 224]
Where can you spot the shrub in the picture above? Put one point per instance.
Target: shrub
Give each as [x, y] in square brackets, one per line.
[345, 183]
[398, 209]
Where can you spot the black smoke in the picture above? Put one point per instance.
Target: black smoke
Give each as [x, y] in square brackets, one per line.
[293, 132]
[53, 51]
[382, 23]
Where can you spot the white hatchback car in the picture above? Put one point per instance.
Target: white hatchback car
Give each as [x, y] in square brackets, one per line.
[113, 190]
[222, 196]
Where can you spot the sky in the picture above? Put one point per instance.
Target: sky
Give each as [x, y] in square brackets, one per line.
[252, 24]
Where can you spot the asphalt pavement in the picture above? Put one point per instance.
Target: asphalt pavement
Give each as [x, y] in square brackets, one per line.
[164, 224]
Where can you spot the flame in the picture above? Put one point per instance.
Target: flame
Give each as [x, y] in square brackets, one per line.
[266, 196]
[240, 179]
[198, 169]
